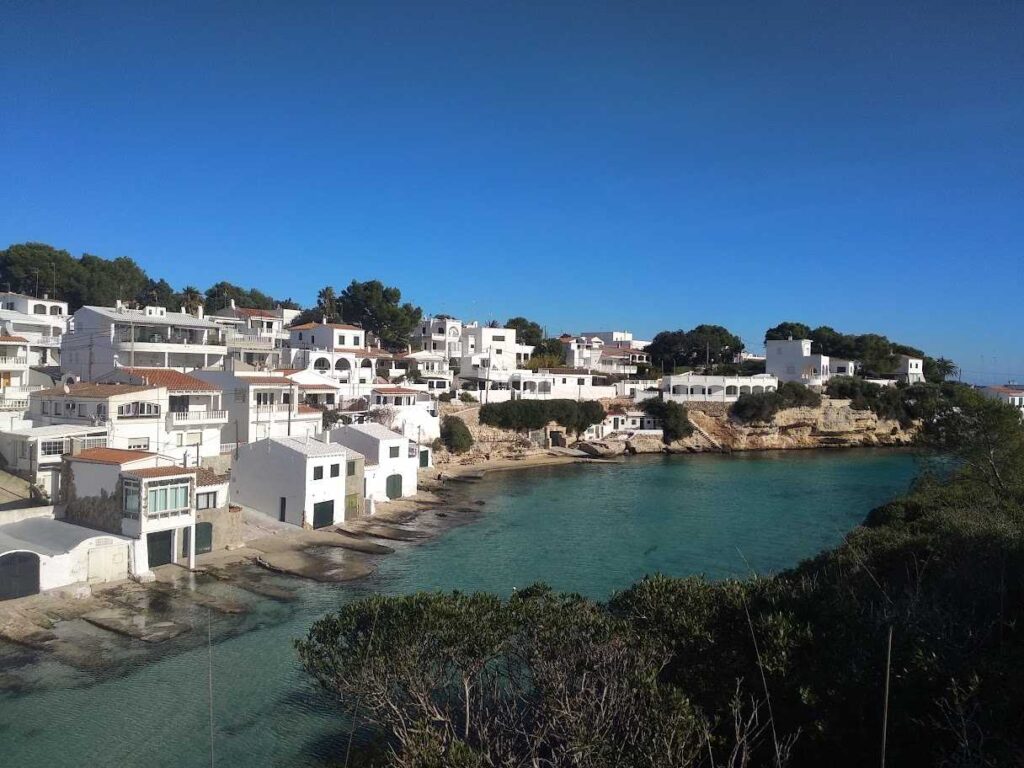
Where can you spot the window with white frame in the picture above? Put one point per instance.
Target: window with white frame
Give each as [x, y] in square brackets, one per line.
[264, 398]
[46, 406]
[169, 497]
[206, 500]
[138, 444]
[131, 496]
[51, 447]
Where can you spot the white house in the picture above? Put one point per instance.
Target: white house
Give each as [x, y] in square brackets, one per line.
[792, 360]
[392, 460]
[103, 338]
[442, 335]
[432, 369]
[261, 405]
[302, 481]
[337, 350]
[42, 322]
[691, 387]
[255, 336]
[637, 387]
[617, 357]
[412, 412]
[35, 452]
[136, 494]
[620, 339]
[40, 553]
[910, 369]
[1010, 395]
[624, 424]
[495, 355]
[559, 383]
[183, 423]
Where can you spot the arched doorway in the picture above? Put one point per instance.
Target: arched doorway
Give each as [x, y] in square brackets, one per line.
[321, 364]
[19, 575]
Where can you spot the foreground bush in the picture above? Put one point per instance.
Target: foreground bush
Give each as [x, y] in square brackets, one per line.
[678, 672]
[455, 435]
[763, 406]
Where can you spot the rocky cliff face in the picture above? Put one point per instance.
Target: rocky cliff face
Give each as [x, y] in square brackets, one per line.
[833, 424]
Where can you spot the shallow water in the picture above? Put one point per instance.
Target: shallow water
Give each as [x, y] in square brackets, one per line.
[591, 529]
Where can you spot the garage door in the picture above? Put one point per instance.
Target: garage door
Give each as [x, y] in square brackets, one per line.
[19, 575]
[323, 514]
[204, 538]
[424, 458]
[108, 563]
[394, 487]
[159, 548]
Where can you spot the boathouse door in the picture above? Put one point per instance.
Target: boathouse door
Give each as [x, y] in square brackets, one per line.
[323, 514]
[394, 486]
[159, 548]
[19, 575]
[204, 538]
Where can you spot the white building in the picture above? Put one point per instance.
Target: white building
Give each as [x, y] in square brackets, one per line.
[140, 495]
[261, 405]
[410, 412]
[255, 336]
[620, 339]
[616, 357]
[337, 350]
[1008, 394]
[442, 335]
[103, 338]
[494, 357]
[40, 553]
[41, 323]
[556, 384]
[176, 415]
[691, 387]
[392, 460]
[429, 368]
[910, 369]
[302, 481]
[792, 360]
[630, 423]
[34, 452]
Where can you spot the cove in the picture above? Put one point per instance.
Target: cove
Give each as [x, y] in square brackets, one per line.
[585, 528]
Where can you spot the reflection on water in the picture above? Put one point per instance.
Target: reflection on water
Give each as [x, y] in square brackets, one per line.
[591, 529]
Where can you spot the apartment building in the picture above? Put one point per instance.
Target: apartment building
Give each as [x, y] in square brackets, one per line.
[255, 336]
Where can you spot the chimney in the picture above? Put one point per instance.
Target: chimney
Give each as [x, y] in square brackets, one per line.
[232, 303]
[118, 305]
[199, 311]
[46, 296]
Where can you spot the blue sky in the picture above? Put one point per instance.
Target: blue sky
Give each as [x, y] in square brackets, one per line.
[646, 165]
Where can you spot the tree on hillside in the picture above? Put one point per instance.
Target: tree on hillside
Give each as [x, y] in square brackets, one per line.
[939, 370]
[551, 348]
[787, 330]
[327, 305]
[379, 309]
[26, 267]
[527, 331]
[219, 296]
[705, 344]
[189, 299]
[455, 435]
[158, 293]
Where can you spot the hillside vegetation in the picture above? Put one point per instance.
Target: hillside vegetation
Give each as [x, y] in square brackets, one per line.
[788, 670]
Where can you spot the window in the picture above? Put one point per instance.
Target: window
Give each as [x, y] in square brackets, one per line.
[335, 470]
[330, 399]
[139, 444]
[341, 340]
[81, 409]
[264, 398]
[101, 410]
[300, 335]
[206, 500]
[580, 381]
[350, 469]
[46, 406]
[168, 498]
[51, 447]
[130, 506]
[497, 338]
[318, 473]
[138, 409]
[393, 451]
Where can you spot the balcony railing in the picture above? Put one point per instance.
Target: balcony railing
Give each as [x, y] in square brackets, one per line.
[13, 404]
[79, 444]
[266, 340]
[173, 338]
[197, 417]
[10, 362]
[46, 341]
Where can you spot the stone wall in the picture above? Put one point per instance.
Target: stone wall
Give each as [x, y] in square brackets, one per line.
[227, 525]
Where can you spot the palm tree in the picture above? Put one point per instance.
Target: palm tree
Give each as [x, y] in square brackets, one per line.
[191, 299]
[945, 368]
[327, 303]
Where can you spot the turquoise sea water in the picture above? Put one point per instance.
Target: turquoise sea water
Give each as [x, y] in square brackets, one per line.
[591, 529]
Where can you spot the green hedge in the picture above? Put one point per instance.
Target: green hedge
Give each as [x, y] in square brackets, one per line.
[522, 415]
[764, 406]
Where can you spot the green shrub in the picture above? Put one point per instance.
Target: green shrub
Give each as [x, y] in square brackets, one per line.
[455, 434]
[521, 415]
[466, 397]
[762, 406]
[675, 419]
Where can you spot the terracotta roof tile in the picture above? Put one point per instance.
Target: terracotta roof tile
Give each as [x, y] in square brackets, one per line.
[13, 340]
[396, 391]
[175, 381]
[91, 389]
[111, 455]
[311, 326]
[151, 472]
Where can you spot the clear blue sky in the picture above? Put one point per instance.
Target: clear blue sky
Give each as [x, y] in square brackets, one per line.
[645, 165]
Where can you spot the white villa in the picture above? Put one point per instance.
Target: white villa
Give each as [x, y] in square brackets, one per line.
[442, 335]
[139, 416]
[41, 322]
[910, 370]
[431, 368]
[792, 360]
[592, 352]
[691, 387]
[619, 339]
[103, 338]
[261, 405]
[255, 336]
[337, 350]
[495, 356]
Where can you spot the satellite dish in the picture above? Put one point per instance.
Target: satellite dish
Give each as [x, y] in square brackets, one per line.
[67, 387]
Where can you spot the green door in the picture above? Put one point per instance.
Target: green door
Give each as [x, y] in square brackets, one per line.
[159, 547]
[394, 487]
[424, 458]
[323, 514]
[204, 538]
[19, 575]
